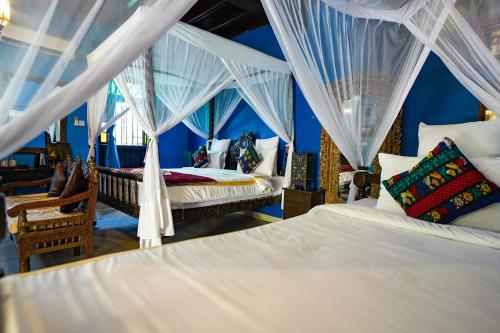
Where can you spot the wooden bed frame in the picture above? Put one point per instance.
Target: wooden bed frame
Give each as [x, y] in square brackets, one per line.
[124, 197]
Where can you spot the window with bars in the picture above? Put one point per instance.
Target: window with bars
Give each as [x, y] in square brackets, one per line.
[127, 131]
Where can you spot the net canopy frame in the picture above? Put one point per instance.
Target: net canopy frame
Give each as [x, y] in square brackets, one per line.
[355, 61]
[178, 75]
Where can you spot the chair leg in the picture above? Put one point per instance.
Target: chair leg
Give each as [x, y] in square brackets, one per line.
[24, 264]
[76, 251]
[89, 247]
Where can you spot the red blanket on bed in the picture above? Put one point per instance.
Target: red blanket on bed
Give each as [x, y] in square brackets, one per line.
[177, 178]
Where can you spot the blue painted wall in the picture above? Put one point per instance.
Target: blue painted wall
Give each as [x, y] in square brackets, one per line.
[172, 145]
[435, 98]
[78, 136]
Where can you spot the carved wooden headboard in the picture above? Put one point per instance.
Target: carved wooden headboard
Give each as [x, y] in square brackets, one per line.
[330, 161]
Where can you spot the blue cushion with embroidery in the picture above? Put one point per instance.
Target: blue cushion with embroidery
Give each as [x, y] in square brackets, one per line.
[442, 187]
[249, 160]
[201, 157]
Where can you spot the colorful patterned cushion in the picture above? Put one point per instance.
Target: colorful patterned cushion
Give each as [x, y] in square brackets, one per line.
[442, 187]
[201, 157]
[249, 160]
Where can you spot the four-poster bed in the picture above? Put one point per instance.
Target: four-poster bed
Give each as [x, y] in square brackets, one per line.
[162, 89]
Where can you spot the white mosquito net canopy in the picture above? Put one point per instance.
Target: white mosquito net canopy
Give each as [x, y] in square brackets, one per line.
[177, 76]
[44, 44]
[355, 61]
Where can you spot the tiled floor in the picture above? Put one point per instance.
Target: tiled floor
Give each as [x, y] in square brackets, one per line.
[116, 232]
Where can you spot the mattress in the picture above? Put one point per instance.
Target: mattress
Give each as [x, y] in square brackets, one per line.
[230, 186]
[339, 268]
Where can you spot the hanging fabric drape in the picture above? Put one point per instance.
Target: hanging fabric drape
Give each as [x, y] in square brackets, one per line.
[269, 93]
[60, 34]
[54, 132]
[102, 112]
[225, 103]
[465, 35]
[181, 84]
[187, 68]
[96, 107]
[355, 72]
[111, 159]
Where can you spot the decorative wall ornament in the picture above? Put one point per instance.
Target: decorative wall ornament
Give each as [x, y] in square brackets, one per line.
[331, 166]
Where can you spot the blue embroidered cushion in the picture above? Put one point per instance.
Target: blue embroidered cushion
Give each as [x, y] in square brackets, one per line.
[442, 187]
[201, 157]
[249, 160]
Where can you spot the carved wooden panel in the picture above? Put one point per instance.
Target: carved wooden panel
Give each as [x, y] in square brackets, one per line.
[330, 161]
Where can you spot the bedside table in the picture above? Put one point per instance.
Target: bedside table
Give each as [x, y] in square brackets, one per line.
[299, 202]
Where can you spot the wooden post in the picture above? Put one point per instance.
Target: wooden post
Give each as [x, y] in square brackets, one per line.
[211, 122]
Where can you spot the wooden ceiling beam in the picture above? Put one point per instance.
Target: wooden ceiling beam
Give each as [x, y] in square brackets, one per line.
[228, 22]
[253, 7]
[211, 10]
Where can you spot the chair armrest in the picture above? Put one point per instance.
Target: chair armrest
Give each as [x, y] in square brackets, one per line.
[14, 211]
[33, 183]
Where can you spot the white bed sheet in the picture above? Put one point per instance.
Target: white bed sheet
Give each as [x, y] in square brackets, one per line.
[245, 186]
[339, 268]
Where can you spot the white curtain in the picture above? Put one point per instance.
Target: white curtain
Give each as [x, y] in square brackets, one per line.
[96, 106]
[225, 103]
[269, 93]
[188, 67]
[466, 36]
[50, 29]
[354, 72]
[181, 85]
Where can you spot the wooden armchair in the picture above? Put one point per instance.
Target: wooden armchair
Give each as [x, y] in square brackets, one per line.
[38, 226]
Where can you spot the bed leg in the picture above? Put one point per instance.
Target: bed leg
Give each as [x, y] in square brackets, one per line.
[76, 251]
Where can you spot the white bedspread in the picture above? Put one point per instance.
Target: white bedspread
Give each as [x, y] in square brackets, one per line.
[230, 185]
[339, 268]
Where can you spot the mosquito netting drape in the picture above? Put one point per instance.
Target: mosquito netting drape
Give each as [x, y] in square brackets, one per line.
[184, 70]
[224, 104]
[466, 36]
[355, 61]
[44, 49]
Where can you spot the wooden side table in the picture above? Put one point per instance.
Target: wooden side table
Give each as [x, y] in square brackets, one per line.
[299, 202]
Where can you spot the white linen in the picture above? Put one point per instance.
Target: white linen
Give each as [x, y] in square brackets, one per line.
[268, 152]
[269, 148]
[338, 268]
[216, 159]
[276, 183]
[220, 145]
[229, 185]
[474, 139]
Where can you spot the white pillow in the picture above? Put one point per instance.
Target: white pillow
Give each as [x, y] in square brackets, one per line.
[474, 139]
[220, 145]
[263, 146]
[484, 218]
[266, 167]
[392, 165]
[216, 159]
